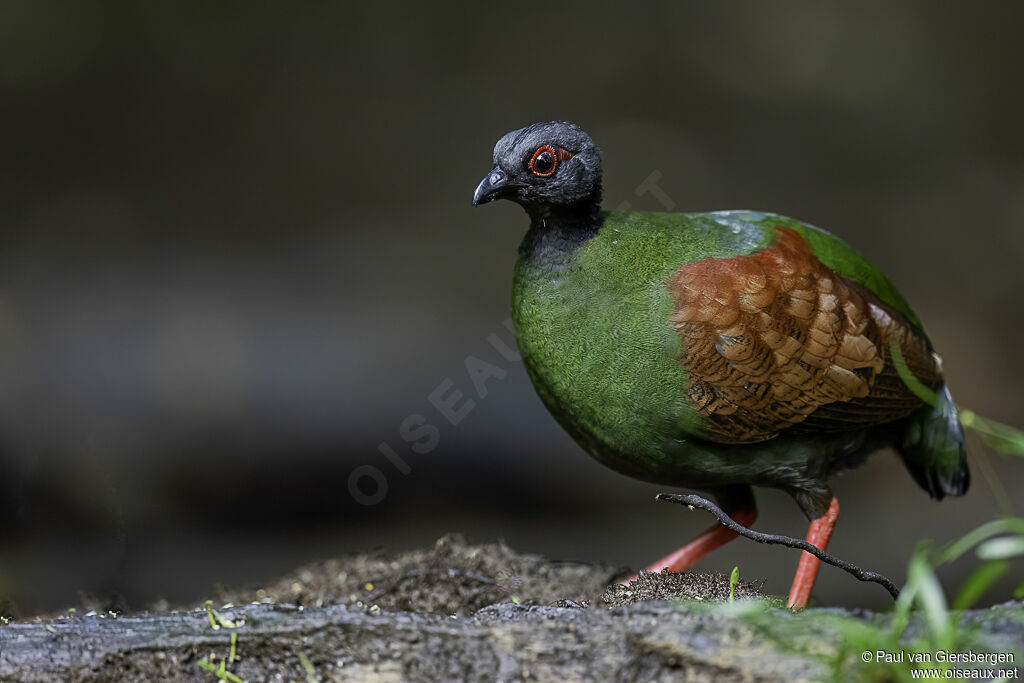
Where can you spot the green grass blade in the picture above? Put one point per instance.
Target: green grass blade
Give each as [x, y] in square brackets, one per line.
[932, 600]
[1007, 525]
[1001, 548]
[996, 435]
[980, 580]
[908, 377]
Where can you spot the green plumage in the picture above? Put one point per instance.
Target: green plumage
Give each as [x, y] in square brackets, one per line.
[595, 334]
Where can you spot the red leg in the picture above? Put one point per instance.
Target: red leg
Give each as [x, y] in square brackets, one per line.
[715, 537]
[817, 534]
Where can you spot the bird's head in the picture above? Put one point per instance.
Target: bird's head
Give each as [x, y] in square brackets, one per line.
[544, 166]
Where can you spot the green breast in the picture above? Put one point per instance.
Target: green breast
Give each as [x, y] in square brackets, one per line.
[594, 330]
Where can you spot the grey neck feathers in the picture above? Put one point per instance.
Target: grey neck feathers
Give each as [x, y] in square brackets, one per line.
[557, 232]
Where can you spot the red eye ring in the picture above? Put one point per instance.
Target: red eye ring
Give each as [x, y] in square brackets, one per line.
[554, 161]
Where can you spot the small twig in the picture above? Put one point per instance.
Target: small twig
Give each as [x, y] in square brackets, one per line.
[696, 501]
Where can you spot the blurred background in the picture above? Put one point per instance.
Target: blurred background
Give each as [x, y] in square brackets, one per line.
[238, 252]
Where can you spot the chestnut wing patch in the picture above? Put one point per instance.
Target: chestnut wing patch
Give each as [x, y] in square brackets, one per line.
[777, 341]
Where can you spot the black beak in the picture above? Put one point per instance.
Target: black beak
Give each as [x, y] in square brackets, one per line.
[495, 185]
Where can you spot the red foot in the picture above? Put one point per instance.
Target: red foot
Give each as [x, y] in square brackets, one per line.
[689, 554]
[818, 534]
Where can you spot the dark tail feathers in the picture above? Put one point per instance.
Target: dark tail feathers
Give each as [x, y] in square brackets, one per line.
[933, 448]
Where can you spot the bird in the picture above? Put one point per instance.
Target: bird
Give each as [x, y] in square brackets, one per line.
[715, 351]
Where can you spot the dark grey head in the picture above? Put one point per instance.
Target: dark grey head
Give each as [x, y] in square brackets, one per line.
[545, 166]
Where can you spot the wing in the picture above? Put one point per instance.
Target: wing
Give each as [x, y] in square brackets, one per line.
[777, 341]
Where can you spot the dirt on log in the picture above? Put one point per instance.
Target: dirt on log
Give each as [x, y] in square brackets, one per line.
[460, 611]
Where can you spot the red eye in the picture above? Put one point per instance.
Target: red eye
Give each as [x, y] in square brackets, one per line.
[543, 162]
